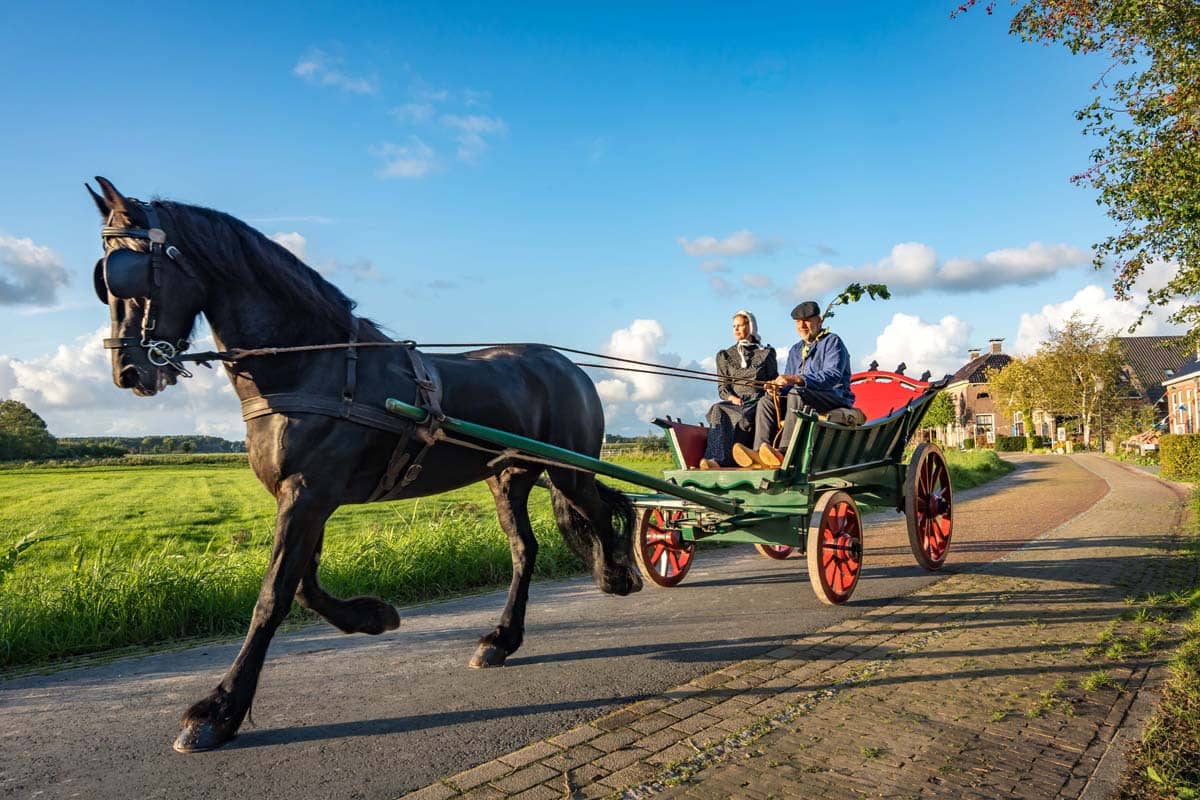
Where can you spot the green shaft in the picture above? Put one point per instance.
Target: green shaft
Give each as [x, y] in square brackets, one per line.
[548, 451]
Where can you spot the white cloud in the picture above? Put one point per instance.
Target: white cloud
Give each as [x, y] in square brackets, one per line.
[72, 389]
[414, 160]
[413, 113]
[741, 243]
[912, 267]
[318, 68]
[632, 399]
[1094, 303]
[295, 243]
[755, 281]
[470, 132]
[938, 347]
[713, 265]
[29, 272]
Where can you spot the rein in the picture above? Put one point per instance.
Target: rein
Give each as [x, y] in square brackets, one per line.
[237, 354]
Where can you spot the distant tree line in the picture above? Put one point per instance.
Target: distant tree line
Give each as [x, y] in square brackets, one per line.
[24, 437]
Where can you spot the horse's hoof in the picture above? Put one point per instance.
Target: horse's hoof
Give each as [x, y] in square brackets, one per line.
[488, 655]
[197, 737]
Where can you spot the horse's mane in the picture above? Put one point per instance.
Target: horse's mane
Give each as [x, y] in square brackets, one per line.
[236, 253]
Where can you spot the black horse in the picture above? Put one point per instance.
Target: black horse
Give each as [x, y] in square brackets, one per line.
[314, 429]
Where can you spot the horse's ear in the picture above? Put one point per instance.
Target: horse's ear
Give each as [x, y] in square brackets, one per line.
[116, 200]
[101, 205]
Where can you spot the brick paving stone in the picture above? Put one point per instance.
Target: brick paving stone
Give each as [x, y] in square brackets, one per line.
[653, 722]
[695, 723]
[616, 720]
[615, 740]
[543, 791]
[679, 751]
[660, 740]
[524, 778]
[573, 757]
[530, 754]
[630, 776]
[575, 736]
[484, 773]
[687, 707]
[484, 793]
[619, 759]
[435, 791]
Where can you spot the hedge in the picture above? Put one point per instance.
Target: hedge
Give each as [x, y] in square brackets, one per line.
[1010, 444]
[1179, 455]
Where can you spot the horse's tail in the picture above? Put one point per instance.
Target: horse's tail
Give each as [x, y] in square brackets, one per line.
[597, 523]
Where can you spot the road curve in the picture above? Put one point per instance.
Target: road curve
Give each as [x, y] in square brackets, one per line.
[373, 717]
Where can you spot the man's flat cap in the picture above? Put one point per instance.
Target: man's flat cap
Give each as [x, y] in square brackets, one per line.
[805, 310]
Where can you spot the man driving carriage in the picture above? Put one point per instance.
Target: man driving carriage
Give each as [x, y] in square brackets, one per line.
[816, 376]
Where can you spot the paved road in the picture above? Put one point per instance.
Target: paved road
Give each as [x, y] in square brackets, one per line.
[350, 717]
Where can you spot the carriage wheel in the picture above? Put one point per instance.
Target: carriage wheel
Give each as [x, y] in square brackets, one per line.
[928, 504]
[834, 547]
[776, 551]
[660, 550]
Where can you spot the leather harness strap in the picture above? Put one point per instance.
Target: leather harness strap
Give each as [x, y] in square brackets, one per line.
[428, 396]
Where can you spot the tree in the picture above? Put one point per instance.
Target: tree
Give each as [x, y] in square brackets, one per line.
[23, 433]
[940, 412]
[1020, 386]
[1146, 115]
[1078, 371]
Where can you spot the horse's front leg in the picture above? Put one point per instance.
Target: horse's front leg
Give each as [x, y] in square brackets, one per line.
[299, 525]
[511, 491]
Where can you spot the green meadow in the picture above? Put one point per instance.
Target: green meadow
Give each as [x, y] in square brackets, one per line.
[93, 559]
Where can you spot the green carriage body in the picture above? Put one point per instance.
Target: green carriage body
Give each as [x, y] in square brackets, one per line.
[774, 505]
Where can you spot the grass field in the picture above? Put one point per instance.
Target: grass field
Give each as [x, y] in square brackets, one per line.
[97, 558]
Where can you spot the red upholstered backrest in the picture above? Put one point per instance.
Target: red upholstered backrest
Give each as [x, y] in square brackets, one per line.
[690, 440]
[878, 393]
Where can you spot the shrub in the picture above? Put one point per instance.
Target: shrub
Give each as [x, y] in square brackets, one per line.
[1010, 444]
[968, 444]
[1179, 454]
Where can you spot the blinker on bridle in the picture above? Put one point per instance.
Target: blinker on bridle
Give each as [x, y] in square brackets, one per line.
[129, 274]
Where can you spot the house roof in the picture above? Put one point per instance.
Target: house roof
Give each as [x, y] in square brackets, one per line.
[975, 370]
[1149, 357]
[1186, 369]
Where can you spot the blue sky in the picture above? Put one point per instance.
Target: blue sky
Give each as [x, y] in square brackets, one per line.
[606, 177]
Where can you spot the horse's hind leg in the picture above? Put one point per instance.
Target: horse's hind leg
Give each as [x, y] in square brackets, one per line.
[299, 522]
[597, 523]
[356, 615]
[511, 491]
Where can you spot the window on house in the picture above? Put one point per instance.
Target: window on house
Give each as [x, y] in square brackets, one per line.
[982, 396]
[1018, 428]
[985, 426]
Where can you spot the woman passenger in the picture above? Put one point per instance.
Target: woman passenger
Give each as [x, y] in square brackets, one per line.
[743, 369]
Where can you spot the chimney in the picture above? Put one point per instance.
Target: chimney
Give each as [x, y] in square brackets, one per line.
[995, 343]
[973, 353]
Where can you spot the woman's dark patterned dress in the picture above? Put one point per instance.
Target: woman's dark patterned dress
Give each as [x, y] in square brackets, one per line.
[732, 423]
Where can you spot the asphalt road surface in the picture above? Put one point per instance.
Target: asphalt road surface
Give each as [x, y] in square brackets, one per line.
[341, 716]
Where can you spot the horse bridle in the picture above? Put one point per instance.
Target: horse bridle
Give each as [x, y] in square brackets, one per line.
[129, 274]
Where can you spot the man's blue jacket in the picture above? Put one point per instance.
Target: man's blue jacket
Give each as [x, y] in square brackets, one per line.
[826, 367]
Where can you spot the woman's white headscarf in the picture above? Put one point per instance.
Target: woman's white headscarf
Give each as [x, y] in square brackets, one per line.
[746, 346]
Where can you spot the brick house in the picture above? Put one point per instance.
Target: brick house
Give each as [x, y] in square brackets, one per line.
[976, 414]
[1182, 393]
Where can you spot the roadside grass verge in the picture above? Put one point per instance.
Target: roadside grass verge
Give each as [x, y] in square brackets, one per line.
[1166, 763]
[971, 468]
[95, 559]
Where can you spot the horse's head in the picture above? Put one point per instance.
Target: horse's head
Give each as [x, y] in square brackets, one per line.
[152, 293]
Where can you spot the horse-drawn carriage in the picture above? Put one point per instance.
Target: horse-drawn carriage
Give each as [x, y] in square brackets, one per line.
[810, 502]
[317, 438]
